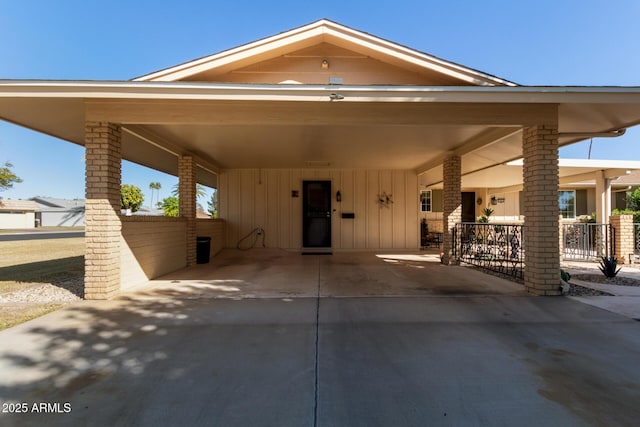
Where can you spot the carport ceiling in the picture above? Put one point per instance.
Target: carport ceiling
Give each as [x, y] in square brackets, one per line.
[297, 126]
[302, 146]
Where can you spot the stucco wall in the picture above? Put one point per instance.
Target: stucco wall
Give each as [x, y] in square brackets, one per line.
[250, 198]
[151, 247]
[507, 207]
[17, 220]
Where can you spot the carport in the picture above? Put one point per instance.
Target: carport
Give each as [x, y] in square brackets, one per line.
[356, 116]
[275, 273]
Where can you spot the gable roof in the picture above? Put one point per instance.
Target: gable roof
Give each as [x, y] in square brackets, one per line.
[52, 202]
[326, 31]
[17, 205]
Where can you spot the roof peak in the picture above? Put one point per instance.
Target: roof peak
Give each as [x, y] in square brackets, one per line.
[327, 31]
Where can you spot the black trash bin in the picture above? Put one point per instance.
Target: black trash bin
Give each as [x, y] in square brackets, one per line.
[203, 249]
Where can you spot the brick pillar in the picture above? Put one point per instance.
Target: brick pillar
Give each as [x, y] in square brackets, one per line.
[541, 240]
[623, 244]
[102, 210]
[187, 188]
[560, 238]
[452, 209]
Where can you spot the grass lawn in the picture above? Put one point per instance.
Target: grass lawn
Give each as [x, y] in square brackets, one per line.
[39, 229]
[29, 263]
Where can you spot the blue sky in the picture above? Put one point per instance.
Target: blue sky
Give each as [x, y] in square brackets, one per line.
[544, 42]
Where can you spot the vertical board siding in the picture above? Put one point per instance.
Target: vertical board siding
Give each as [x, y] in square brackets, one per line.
[253, 198]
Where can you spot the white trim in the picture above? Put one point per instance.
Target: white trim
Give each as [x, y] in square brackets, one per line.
[430, 201]
[407, 94]
[321, 29]
[574, 202]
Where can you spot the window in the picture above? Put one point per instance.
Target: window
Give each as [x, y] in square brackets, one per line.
[567, 203]
[425, 200]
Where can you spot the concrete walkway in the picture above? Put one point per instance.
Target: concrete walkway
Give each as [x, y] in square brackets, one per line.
[193, 355]
[625, 299]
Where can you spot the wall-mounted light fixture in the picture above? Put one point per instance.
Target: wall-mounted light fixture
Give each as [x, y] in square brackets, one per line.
[338, 196]
[325, 64]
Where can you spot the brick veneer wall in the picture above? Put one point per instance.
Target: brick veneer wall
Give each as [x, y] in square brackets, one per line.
[540, 173]
[452, 201]
[187, 188]
[150, 247]
[102, 210]
[624, 239]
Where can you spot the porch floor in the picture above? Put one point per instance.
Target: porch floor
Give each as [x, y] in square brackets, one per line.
[273, 273]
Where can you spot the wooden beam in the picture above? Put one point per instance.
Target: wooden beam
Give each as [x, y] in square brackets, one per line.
[484, 139]
[150, 137]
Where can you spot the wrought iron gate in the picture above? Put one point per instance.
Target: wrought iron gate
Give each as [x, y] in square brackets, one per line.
[636, 240]
[586, 241]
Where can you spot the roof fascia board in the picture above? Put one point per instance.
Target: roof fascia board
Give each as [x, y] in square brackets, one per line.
[319, 28]
[415, 57]
[228, 56]
[182, 90]
[167, 73]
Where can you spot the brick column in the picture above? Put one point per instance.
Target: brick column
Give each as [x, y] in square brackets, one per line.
[541, 239]
[623, 244]
[560, 238]
[102, 210]
[187, 188]
[452, 209]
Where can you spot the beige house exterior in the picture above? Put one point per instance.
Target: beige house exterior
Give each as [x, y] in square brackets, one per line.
[321, 136]
[17, 214]
[592, 186]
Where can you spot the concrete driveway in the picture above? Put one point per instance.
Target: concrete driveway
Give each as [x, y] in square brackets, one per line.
[187, 356]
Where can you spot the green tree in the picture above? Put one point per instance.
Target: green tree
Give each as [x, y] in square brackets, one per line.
[212, 205]
[633, 200]
[154, 186]
[131, 197]
[171, 206]
[200, 191]
[7, 177]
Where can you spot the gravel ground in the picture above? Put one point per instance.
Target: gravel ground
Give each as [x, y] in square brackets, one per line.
[600, 278]
[62, 292]
[581, 291]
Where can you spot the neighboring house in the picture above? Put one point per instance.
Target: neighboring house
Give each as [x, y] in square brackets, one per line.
[323, 136]
[54, 212]
[70, 213]
[17, 214]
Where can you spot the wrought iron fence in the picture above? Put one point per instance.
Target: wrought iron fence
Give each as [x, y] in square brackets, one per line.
[495, 247]
[587, 241]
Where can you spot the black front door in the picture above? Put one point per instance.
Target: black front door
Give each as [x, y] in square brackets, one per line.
[316, 211]
[468, 206]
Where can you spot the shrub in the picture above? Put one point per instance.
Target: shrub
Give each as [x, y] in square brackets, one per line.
[636, 214]
[608, 266]
[131, 197]
[171, 206]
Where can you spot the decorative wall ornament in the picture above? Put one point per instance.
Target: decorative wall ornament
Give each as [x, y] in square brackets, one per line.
[384, 200]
